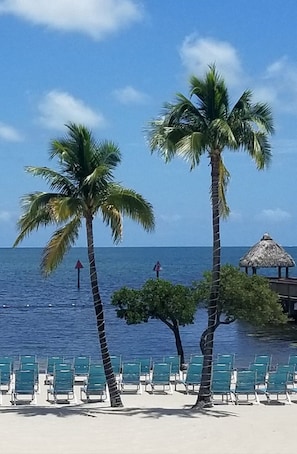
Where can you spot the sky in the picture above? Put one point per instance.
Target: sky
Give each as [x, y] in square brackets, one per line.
[111, 65]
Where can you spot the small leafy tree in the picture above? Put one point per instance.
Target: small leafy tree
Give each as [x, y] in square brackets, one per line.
[241, 297]
[174, 305]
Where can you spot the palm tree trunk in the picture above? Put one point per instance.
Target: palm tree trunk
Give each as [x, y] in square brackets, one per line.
[115, 397]
[204, 396]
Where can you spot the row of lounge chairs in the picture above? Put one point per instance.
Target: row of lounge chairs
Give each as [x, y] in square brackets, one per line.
[231, 383]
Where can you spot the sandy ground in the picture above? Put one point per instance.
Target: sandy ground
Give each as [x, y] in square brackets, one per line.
[149, 423]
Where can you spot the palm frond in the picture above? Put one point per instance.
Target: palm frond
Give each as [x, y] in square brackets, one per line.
[56, 181]
[132, 204]
[60, 243]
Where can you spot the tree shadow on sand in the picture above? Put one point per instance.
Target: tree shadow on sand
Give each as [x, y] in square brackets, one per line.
[63, 411]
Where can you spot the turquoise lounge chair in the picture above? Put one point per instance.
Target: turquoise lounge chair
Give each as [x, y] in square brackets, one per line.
[81, 365]
[193, 377]
[24, 387]
[277, 384]
[246, 385]
[196, 359]
[161, 375]
[221, 385]
[95, 384]
[6, 376]
[130, 377]
[228, 360]
[261, 375]
[62, 388]
[50, 367]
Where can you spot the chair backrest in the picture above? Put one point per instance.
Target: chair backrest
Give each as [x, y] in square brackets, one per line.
[51, 362]
[226, 359]
[161, 372]
[32, 367]
[292, 359]
[290, 369]
[5, 370]
[63, 380]
[7, 360]
[174, 360]
[24, 381]
[221, 381]
[145, 365]
[196, 359]
[130, 372]
[194, 372]
[61, 366]
[277, 381]
[245, 381]
[221, 366]
[261, 371]
[263, 359]
[116, 363]
[96, 369]
[81, 365]
[28, 359]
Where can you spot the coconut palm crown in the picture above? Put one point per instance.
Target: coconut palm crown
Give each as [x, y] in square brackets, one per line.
[82, 189]
[206, 123]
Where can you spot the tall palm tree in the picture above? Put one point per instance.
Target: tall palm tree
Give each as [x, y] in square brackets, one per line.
[84, 188]
[208, 125]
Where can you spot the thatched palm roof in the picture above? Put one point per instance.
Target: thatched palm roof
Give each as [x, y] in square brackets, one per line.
[266, 254]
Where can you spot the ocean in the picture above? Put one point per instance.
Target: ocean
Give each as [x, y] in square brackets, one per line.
[48, 316]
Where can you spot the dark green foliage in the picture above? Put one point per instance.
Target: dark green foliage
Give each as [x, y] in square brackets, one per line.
[157, 299]
[174, 305]
[243, 297]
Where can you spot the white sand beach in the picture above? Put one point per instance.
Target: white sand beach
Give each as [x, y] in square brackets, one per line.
[148, 424]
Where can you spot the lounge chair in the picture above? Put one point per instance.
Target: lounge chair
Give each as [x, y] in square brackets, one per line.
[130, 377]
[32, 367]
[196, 359]
[81, 365]
[193, 377]
[24, 387]
[246, 385]
[62, 388]
[145, 367]
[6, 376]
[50, 367]
[95, 384]
[278, 384]
[228, 360]
[174, 360]
[161, 375]
[261, 375]
[221, 385]
[116, 363]
[264, 359]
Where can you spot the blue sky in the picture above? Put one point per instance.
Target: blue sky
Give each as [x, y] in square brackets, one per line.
[111, 64]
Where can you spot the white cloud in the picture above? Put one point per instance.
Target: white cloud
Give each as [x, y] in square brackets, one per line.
[274, 215]
[279, 86]
[9, 133]
[198, 53]
[5, 216]
[129, 95]
[96, 18]
[58, 108]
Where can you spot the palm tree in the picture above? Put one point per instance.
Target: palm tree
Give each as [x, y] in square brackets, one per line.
[84, 188]
[209, 126]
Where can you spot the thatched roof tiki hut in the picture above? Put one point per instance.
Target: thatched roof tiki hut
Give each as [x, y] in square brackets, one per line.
[267, 254]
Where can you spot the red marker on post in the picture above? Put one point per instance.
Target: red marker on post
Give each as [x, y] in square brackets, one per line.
[78, 267]
[157, 268]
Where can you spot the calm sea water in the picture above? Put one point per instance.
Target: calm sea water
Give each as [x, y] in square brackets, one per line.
[52, 316]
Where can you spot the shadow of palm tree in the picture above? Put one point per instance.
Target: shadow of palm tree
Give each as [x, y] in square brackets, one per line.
[93, 412]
